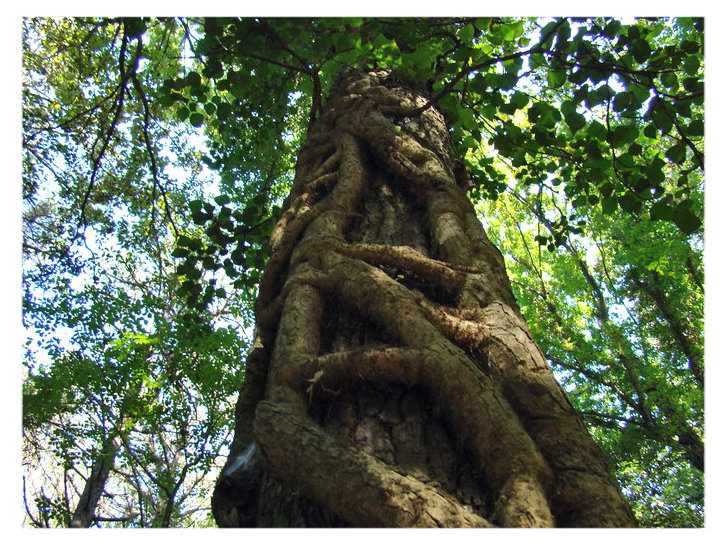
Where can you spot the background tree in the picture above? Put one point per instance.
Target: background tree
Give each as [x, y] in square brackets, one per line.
[126, 394]
[640, 389]
[594, 114]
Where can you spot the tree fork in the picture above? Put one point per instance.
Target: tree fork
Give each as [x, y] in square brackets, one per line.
[344, 270]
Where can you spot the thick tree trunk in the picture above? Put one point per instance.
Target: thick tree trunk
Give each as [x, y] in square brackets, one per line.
[393, 381]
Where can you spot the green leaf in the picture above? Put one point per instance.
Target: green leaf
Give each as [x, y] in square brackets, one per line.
[640, 50]
[224, 110]
[654, 172]
[556, 78]
[508, 108]
[620, 135]
[662, 120]
[578, 76]
[197, 119]
[692, 65]
[536, 60]
[213, 68]
[634, 149]
[690, 46]
[185, 241]
[575, 121]
[622, 101]
[662, 210]
[507, 81]
[606, 189]
[182, 113]
[237, 256]
[676, 153]
[568, 106]
[165, 100]
[693, 84]
[380, 41]
[200, 217]
[612, 28]
[483, 23]
[629, 203]
[194, 79]
[696, 128]
[596, 129]
[466, 33]
[180, 252]
[687, 221]
[609, 205]
[519, 99]
[669, 79]
[134, 27]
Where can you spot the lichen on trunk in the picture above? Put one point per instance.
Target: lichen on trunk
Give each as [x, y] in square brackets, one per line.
[393, 381]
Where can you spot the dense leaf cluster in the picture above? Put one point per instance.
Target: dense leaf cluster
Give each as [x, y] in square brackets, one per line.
[605, 111]
[584, 135]
[115, 365]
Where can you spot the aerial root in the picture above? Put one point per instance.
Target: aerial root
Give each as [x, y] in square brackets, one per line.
[522, 502]
[368, 492]
[367, 364]
[505, 453]
[410, 261]
[434, 352]
[285, 243]
[321, 184]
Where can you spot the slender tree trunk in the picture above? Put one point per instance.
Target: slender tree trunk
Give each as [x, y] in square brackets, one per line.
[393, 380]
[85, 513]
[682, 332]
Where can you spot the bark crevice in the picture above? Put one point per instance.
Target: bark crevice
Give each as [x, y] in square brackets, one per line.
[382, 280]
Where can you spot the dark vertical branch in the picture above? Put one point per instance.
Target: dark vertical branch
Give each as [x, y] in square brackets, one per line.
[150, 152]
[85, 513]
[118, 109]
[695, 275]
[682, 333]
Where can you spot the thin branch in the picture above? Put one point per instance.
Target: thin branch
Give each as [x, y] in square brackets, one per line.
[484, 64]
[122, 519]
[27, 508]
[150, 152]
[697, 153]
[119, 104]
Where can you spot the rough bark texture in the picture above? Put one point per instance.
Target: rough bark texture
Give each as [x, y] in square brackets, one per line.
[393, 381]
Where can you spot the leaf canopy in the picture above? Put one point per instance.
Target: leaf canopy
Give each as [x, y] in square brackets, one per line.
[158, 152]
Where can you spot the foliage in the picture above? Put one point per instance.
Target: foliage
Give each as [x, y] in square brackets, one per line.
[113, 356]
[609, 308]
[583, 139]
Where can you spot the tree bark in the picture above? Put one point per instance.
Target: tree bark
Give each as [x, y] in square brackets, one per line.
[393, 380]
[85, 513]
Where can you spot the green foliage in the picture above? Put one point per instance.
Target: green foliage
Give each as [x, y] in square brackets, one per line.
[113, 355]
[618, 310]
[233, 241]
[583, 138]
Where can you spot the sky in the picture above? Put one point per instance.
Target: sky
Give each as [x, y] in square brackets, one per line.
[716, 226]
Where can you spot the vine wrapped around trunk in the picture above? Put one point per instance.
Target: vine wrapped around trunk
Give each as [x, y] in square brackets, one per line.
[393, 380]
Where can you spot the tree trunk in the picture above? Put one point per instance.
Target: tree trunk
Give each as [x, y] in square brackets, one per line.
[393, 380]
[85, 513]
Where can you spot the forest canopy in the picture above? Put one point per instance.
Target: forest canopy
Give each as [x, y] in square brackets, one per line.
[157, 153]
